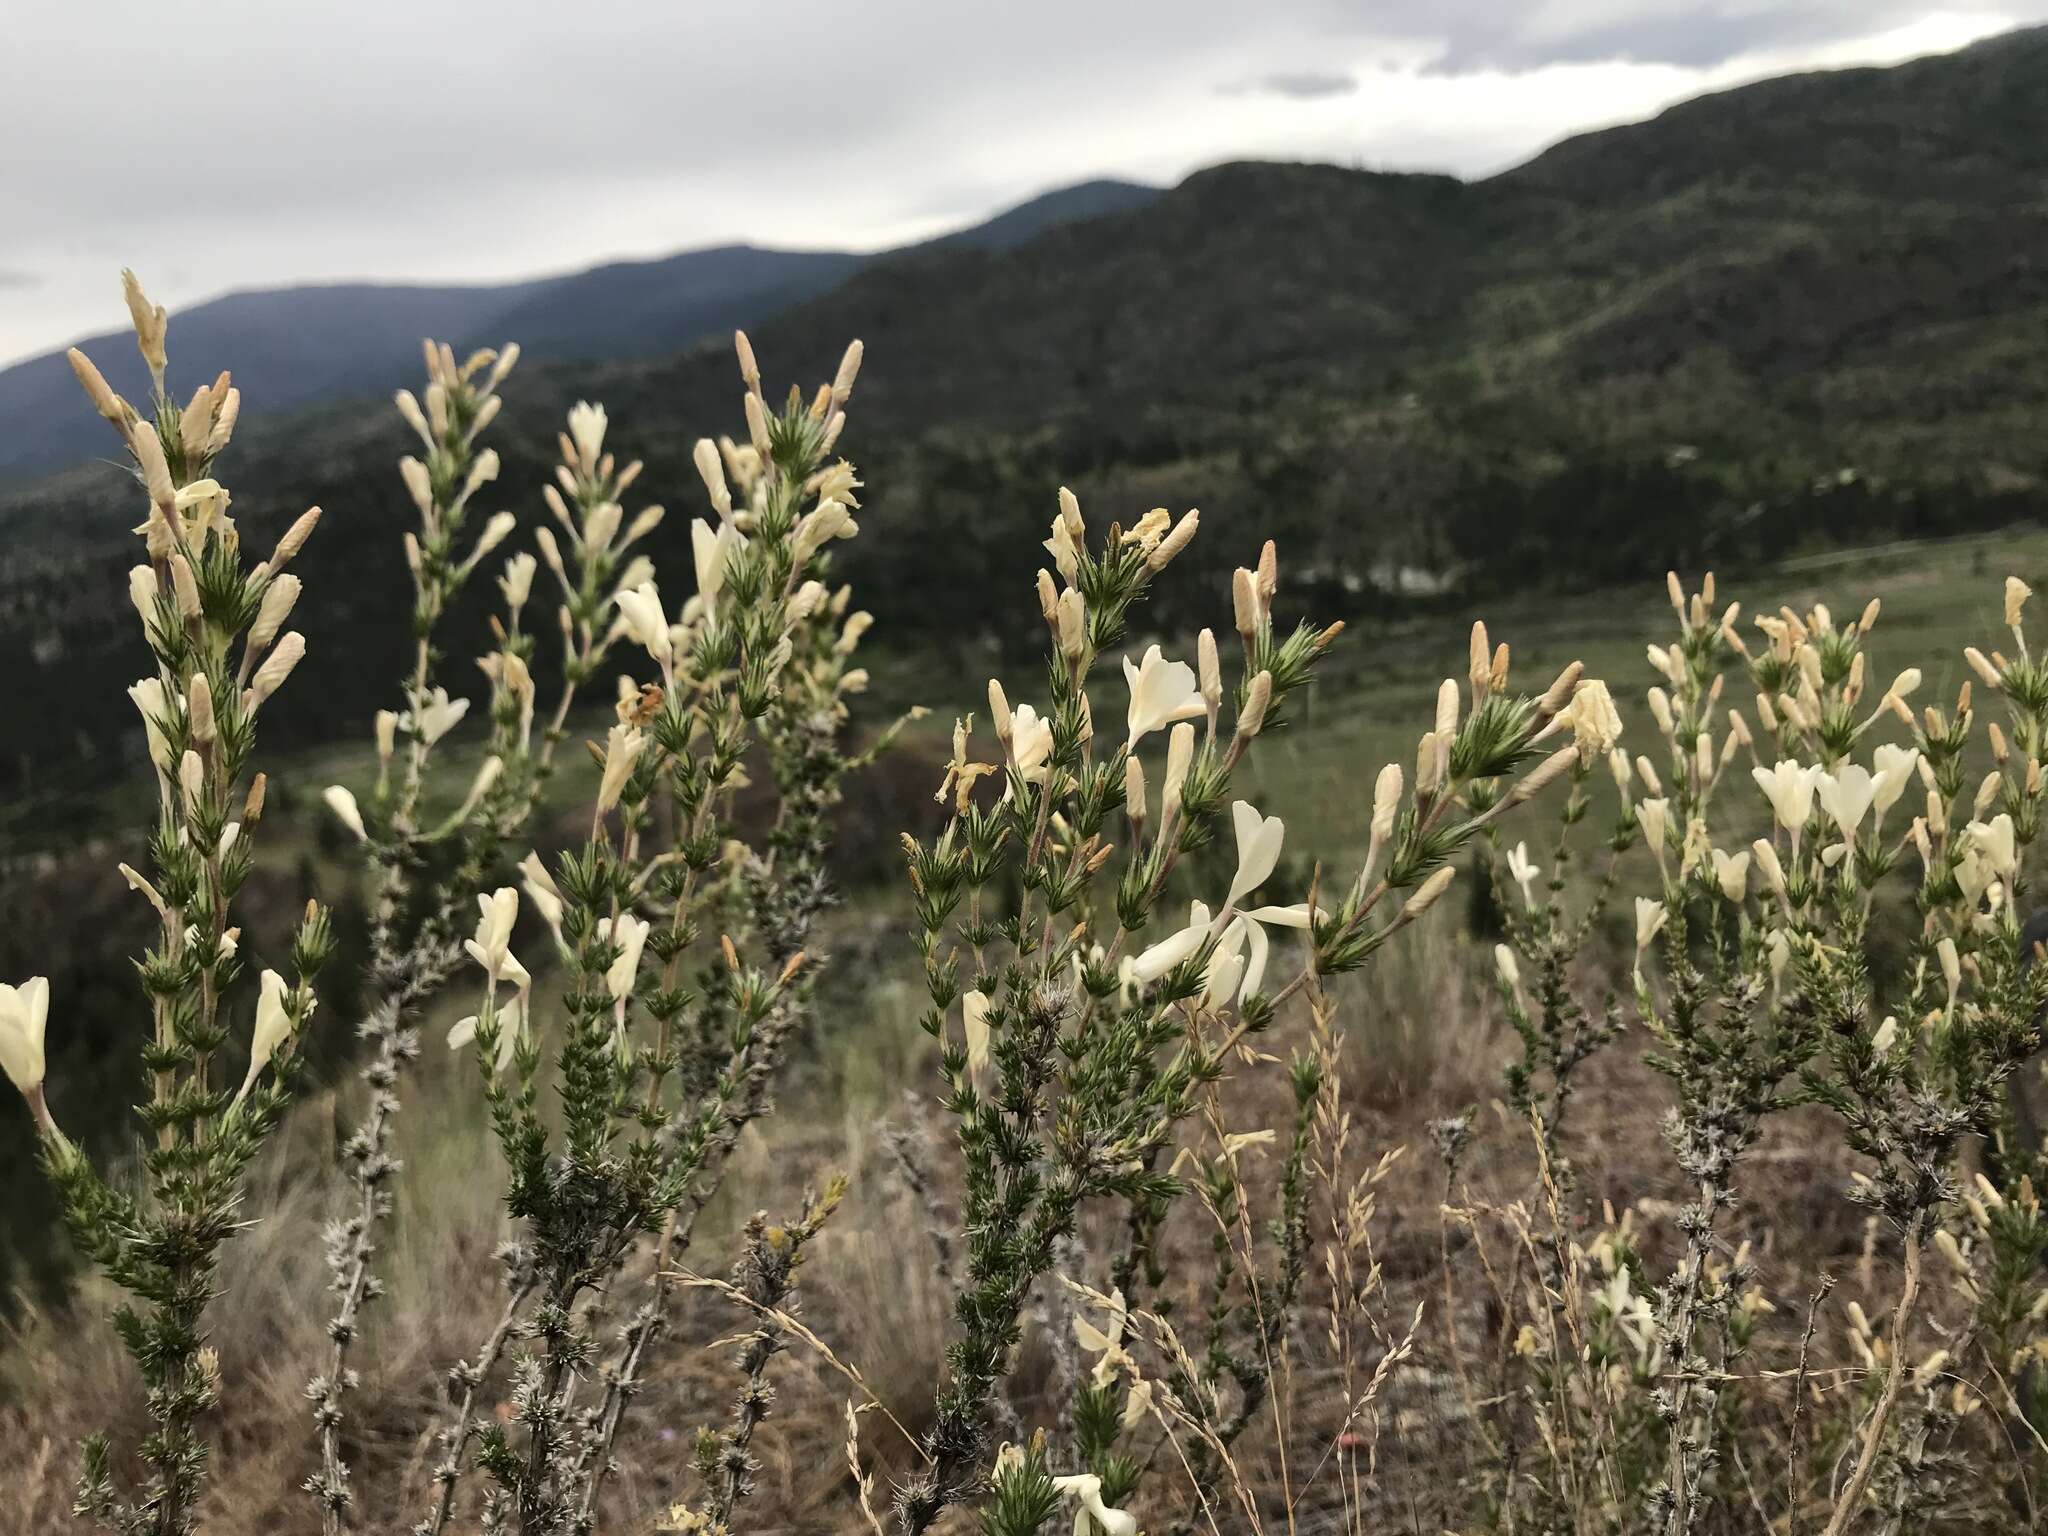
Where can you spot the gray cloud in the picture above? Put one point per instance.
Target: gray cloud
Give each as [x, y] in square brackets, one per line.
[1309, 85]
[9, 279]
[401, 139]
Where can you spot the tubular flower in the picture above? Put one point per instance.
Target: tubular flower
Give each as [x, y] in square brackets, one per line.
[1846, 795]
[974, 1016]
[273, 1025]
[713, 554]
[436, 717]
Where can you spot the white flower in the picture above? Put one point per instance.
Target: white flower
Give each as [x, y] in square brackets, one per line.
[646, 621]
[621, 751]
[273, 1025]
[1731, 870]
[1846, 795]
[629, 933]
[1295, 916]
[154, 705]
[1258, 848]
[1885, 1036]
[713, 553]
[343, 804]
[1030, 743]
[1523, 871]
[1650, 919]
[1654, 816]
[511, 1020]
[1504, 962]
[517, 582]
[586, 431]
[1789, 787]
[1895, 768]
[24, 1016]
[1226, 966]
[1996, 843]
[491, 947]
[974, 1015]
[437, 716]
[1170, 951]
[1094, 1515]
[542, 891]
[1162, 692]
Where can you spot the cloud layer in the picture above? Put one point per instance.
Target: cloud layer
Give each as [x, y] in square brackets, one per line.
[252, 144]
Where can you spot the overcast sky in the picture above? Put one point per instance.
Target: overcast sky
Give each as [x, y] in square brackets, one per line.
[252, 143]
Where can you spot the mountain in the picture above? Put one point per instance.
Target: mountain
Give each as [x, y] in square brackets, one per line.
[1806, 311]
[292, 347]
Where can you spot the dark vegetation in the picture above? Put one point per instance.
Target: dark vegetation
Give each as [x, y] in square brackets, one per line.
[1802, 313]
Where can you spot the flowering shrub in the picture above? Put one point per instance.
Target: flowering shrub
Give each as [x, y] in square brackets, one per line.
[1113, 948]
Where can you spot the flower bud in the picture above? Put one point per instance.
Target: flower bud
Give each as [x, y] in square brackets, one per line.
[1258, 696]
[199, 708]
[1426, 897]
[278, 598]
[278, 666]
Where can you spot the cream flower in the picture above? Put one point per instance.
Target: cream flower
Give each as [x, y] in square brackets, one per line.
[712, 553]
[542, 891]
[1030, 743]
[586, 431]
[273, 1025]
[974, 1015]
[1846, 795]
[1650, 919]
[1893, 772]
[646, 622]
[153, 704]
[1595, 723]
[629, 933]
[1258, 848]
[1094, 1515]
[1731, 873]
[24, 1017]
[1176, 947]
[1162, 692]
[622, 750]
[1789, 787]
[437, 716]
[491, 945]
[511, 1020]
[1255, 921]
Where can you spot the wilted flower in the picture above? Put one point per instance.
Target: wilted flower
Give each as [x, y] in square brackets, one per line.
[1595, 724]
